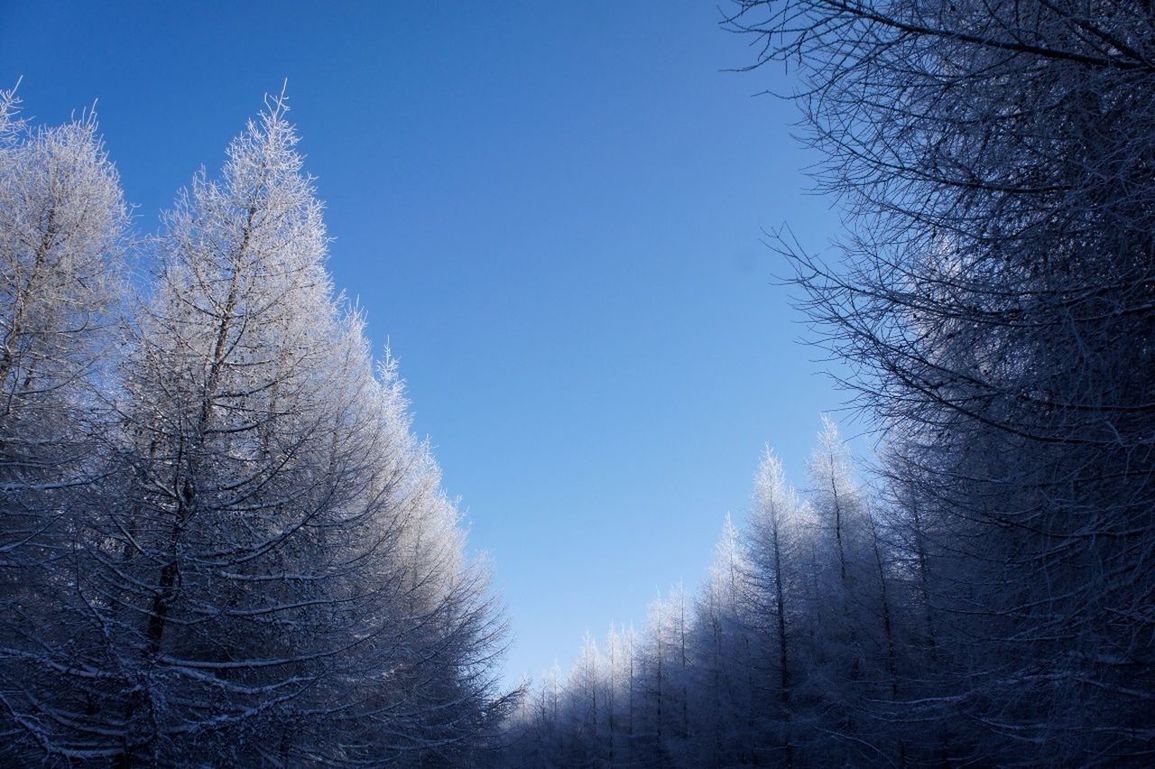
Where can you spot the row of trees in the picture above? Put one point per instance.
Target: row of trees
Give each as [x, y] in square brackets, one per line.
[220, 542]
[805, 646]
[844, 626]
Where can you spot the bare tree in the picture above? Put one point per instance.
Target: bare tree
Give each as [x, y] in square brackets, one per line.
[996, 159]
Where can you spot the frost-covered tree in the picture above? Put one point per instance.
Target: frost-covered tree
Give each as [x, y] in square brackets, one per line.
[586, 694]
[723, 693]
[62, 223]
[442, 703]
[618, 657]
[664, 672]
[249, 451]
[772, 587]
[840, 592]
[839, 507]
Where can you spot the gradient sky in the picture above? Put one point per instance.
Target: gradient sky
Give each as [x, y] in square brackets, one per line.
[553, 212]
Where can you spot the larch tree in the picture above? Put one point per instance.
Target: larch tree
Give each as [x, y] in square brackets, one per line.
[723, 692]
[586, 686]
[772, 542]
[777, 662]
[251, 471]
[62, 234]
[841, 592]
[618, 660]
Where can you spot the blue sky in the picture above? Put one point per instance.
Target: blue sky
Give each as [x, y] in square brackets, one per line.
[553, 212]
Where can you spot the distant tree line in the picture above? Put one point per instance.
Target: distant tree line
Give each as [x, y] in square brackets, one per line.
[991, 602]
[221, 544]
[807, 645]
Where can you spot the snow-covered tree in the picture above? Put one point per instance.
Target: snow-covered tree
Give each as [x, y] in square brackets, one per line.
[722, 697]
[62, 223]
[772, 586]
[250, 435]
[220, 541]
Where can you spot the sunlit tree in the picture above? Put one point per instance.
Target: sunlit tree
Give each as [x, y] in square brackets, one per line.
[62, 225]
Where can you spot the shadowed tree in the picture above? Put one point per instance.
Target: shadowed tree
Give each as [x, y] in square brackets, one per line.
[996, 159]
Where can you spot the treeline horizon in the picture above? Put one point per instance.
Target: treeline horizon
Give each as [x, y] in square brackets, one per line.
[805, 645]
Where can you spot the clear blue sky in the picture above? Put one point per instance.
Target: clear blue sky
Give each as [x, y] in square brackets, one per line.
[553, 211]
